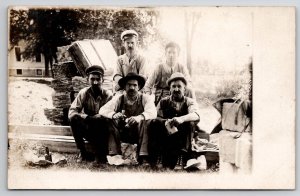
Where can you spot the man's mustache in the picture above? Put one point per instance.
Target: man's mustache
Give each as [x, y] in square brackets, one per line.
[131, 91]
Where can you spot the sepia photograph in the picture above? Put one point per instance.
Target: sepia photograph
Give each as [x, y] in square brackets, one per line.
[142, 97]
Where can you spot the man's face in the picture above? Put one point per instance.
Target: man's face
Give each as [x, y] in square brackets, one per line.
[177, 89]
[132, 88]
[171, 55]
[95, 80]
[130, 44]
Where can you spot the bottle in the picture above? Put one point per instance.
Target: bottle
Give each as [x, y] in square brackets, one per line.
[125, 119]
[48, 156]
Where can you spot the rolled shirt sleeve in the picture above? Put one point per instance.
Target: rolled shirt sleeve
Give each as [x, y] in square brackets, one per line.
[149, 107]
[151, 81]
[118, 70]
[193, 106]
[77, 105]
[110, 108]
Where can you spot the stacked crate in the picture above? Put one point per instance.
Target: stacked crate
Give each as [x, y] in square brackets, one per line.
[70, 77]
[94, 52]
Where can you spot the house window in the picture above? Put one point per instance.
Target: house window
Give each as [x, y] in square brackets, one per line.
[18, 53]
[19, 71]
[39, 72]
[38, 57]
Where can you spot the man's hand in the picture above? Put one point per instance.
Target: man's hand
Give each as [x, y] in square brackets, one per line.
[134, 120]
[176, 121]
[97, 116]
[118, 115]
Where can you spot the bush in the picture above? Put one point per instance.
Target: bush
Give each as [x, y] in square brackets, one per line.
[236, 87]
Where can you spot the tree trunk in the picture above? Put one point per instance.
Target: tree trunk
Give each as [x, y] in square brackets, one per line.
[191, 20]
[189, 57]
[46, 65]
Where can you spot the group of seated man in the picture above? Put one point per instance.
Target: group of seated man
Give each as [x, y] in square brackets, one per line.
[161, 125]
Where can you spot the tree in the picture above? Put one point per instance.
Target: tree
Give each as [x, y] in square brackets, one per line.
[191, 20]
[110, 23]
[46, 29]
[43, 30]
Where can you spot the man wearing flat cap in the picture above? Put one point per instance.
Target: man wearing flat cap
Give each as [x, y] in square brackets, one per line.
[171, 132]
[131, 61]
[130, 113]
[85, 121]
[156, 83]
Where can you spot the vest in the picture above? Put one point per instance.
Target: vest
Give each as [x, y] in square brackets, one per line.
[168, 108]
[131, 110]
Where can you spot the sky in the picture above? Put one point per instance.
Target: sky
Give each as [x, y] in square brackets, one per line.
[223, 36]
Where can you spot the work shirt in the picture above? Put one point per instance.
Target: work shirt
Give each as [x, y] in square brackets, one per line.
[86, 105]
[167, 108]
[112, 107]
[158, 78]
[125, 65]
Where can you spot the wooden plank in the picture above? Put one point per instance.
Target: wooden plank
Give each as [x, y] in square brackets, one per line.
[55, 143]
[40, 129]
[41, 137]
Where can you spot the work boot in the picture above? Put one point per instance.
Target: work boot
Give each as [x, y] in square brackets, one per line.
[101, 159]
[143, 160]
[85, 156]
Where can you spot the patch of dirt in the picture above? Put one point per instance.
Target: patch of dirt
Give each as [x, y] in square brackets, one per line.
[27, 100]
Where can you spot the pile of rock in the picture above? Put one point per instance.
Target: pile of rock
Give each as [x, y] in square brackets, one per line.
[63, 54]
[61, 97]
[65, 70]
[79, 83]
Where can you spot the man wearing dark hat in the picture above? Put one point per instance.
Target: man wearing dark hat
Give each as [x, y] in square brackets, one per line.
[85, 121]
[157, 80]
[173, 128]
[130, 114]
[131, 61]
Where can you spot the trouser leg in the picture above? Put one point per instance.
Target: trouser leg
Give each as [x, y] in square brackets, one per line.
[143, 137]
[79, 128]
[114, 138]
[178, 144]
[157, 135]
[137, 134]
[98, 137]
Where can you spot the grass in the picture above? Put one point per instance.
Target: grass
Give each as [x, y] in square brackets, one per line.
[18, 158]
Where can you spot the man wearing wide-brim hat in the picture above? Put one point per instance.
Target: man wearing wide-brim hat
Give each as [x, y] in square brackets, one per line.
[131, 60]
[177, 115]
[130, 114]
[85, 121]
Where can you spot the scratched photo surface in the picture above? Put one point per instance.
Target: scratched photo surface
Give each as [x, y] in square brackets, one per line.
[240, 61]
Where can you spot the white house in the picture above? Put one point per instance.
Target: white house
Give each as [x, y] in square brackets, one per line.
[18, 66]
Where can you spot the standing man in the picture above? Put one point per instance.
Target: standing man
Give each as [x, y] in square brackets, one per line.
[85, 121]
[131, 61]
[173, 129]
[130, 113]
[163, 72]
